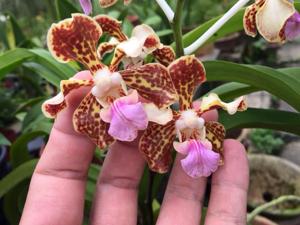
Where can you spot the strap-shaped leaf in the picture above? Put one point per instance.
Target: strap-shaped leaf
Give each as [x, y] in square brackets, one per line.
[264, 78]
[263, 118]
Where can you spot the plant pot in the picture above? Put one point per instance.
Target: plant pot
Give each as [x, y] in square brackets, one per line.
[270, 178]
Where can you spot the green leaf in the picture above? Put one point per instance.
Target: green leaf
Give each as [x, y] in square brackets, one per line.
[263, 118]
[264, 78]
[19, 151]
[43, 72]
[12, 59]
[3, 140]
[64, 9]
[233, 90]
[43, 57]
[18, 175]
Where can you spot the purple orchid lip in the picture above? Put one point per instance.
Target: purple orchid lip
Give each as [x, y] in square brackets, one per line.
[200, 160]
[126, 116]
[292, 27]
[86, 5]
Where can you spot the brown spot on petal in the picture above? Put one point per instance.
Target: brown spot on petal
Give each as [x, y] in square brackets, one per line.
[187, 73]
[87, 121]
[165, 55]
[153, 82]
[156, 146]
[250, 17]
[111, 26]
[215, 133]
[105, 48]
[76, 39]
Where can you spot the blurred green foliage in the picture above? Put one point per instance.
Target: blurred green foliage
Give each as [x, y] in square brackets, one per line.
[266, 141]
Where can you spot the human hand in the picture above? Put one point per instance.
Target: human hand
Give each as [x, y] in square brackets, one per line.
[56, 193]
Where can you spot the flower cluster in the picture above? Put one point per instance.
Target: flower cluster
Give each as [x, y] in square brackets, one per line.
[276, 20]
[87, 4]
[130, 95]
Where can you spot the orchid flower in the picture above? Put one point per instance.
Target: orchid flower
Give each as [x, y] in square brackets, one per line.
[87, 6]
[143, 42]
[200, 140]
[108, 3]
[276, 20]
[110, 111]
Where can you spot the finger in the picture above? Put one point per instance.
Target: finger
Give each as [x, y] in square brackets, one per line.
[184, 195]
[117, 189]
[227, 204]
[56, 193]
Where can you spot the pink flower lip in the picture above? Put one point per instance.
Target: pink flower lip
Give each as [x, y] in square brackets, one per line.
[200, 161]
[292, 27]
[126, 117]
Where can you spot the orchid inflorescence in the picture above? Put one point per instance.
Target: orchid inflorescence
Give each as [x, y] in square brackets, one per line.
[131, 95]
[276, 20]
[138, 97]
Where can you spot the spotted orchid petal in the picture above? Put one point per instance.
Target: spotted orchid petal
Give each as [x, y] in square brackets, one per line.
[250, 17]
[200, 161]
[215, 133]
[111, 26]
[292, 27]
[156, 146]
[153, 83]
[164, 55]
[108, 3]
[76, 39]
[126, 117]
[142, 42]
[86, 5]
[213, 101]
[53, 106]
[87, 121]
[186, 72]
[272, 17]
[105, 48]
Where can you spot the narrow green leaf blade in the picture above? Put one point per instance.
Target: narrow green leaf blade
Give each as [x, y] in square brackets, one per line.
[18, 175]
[263, 118]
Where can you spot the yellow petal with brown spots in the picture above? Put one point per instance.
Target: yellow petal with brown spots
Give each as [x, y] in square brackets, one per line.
[53, 106]
[215, 133]
[156, 146]
[187, 73]
[153, 82]
[87, 121]
[75, 39]
[111, 26]
[164, 55]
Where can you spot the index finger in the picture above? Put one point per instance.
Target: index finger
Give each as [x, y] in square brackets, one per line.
[228, 199]
[57, 187]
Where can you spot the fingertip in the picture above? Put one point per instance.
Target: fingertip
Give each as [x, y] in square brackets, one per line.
[211, 115]
[83, 75]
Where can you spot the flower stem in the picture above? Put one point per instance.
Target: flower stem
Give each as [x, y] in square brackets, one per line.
[166, 9]
[176, 25]
[214, 28]
[275, 202]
